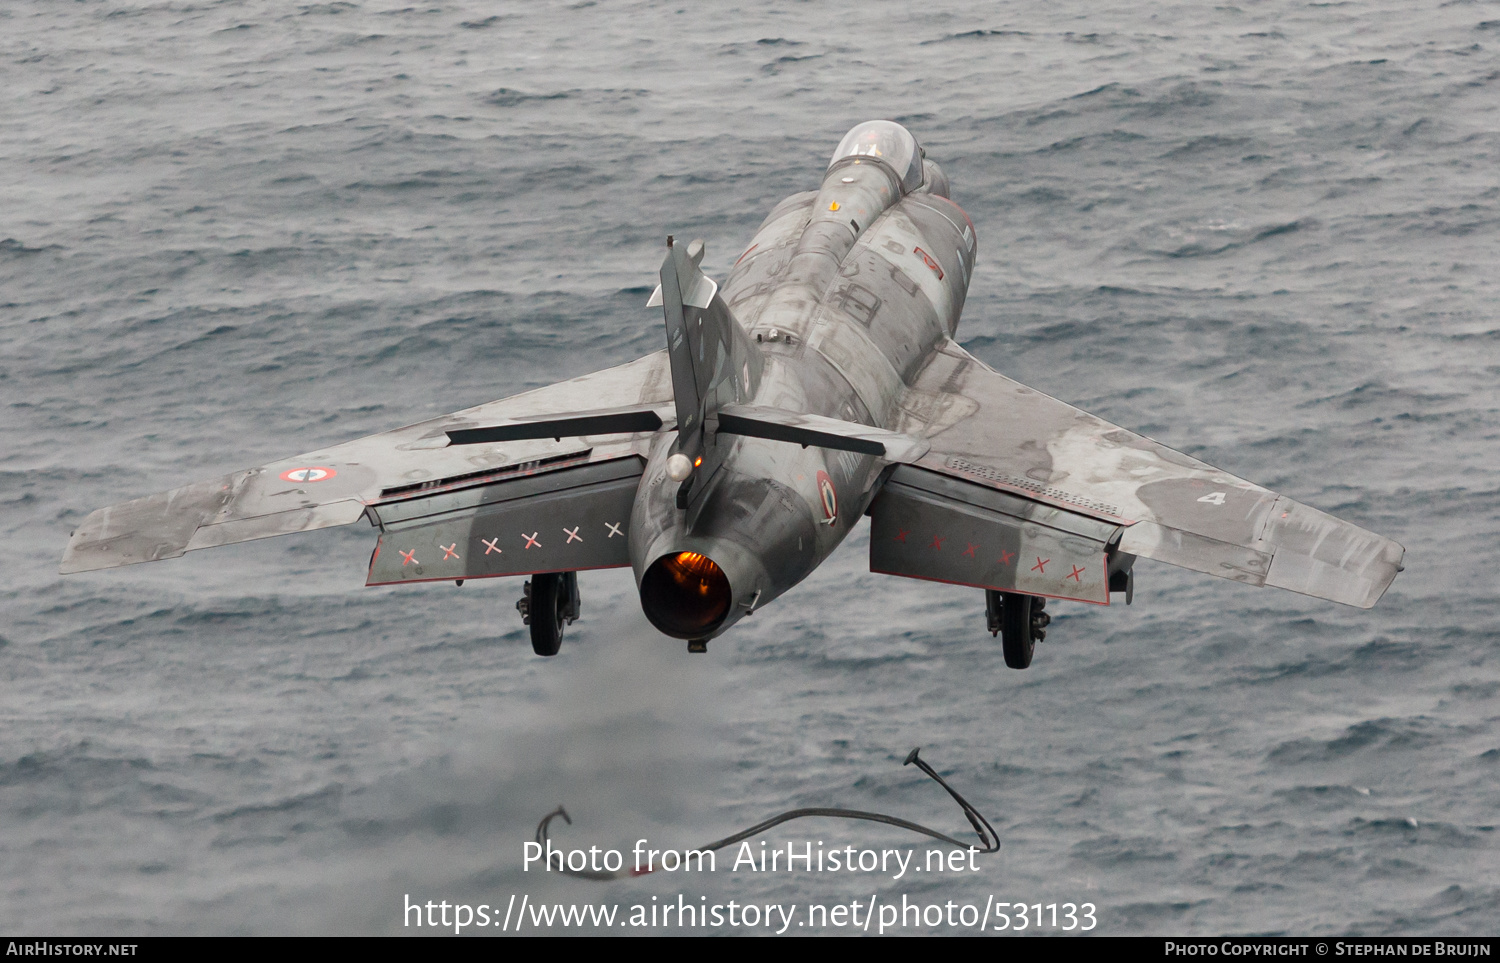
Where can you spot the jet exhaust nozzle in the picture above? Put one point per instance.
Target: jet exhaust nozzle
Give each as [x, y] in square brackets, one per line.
[686, 595]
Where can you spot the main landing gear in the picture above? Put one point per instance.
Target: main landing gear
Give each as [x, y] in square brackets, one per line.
[1020, 622]
[551, 602]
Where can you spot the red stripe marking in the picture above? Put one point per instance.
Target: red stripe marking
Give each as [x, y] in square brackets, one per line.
[449, 578]
[946, 581]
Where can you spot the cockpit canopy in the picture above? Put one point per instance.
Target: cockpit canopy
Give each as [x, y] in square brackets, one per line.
[889, 143]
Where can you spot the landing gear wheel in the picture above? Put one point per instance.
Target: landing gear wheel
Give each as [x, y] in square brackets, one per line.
[1022, 625]
[547, 611]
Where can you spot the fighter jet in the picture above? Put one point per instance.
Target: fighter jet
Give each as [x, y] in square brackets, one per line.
[819, 384]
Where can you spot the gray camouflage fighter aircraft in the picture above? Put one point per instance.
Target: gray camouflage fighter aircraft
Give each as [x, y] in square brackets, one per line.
[821, 383]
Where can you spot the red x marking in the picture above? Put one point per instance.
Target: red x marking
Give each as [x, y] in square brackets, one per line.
[531, 541]
[573, 535]
[449, 551]
[1040, 566]
[1005, 557]
[969, 552]
[901, 535]
[408, 557]
[937, 541]
[492, 545]
[1077, 574]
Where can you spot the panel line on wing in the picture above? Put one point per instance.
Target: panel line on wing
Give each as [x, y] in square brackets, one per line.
[484, 474]
[1030, 485]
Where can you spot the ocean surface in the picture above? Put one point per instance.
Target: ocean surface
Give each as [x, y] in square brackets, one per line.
[1264, 233]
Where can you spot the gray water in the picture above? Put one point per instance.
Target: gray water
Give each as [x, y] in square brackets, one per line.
[1265, 234]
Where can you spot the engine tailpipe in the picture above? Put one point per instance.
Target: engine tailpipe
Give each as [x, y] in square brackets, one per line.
[686, 595]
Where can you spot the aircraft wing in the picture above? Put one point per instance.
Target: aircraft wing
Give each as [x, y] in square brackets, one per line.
[985, 428]
[423, 463]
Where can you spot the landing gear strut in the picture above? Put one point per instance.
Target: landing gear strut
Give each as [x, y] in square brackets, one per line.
[1020, 622]
[551, 602]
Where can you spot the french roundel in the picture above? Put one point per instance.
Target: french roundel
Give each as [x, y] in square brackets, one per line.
[312, 473]
[828, 496]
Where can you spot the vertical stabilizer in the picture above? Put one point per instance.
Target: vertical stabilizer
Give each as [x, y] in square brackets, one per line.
[713, 361]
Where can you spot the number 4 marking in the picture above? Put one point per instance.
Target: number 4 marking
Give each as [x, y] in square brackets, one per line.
[1217, 498]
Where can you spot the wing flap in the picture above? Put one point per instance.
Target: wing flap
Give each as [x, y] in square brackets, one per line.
[1319, 555]
[1189, 550]
[579, 519]
[993, 431]
[344, 512]
[926, 526]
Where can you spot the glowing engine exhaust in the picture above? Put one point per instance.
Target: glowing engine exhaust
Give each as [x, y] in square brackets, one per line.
[685, 595]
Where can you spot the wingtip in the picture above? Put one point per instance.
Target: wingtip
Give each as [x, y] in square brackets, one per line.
[73, 561]
[92, 559]
[73, 564]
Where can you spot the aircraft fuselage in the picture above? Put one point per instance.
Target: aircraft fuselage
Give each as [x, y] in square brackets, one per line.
[844, 291]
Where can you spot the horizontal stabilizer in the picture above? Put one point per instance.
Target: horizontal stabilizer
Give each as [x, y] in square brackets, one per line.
[775, 424]
[570, 426]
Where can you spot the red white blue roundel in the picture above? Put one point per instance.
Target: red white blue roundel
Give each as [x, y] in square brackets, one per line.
[312, 473]
[828, 496]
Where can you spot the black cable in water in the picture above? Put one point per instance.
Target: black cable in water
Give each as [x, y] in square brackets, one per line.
[989, 839]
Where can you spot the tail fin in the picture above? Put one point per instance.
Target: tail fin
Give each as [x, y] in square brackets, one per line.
[713, 360]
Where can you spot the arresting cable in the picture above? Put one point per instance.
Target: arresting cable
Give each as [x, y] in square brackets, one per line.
[989, 839]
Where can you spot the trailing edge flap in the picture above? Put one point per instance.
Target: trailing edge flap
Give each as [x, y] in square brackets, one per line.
[986, 429]
[776, 424]
[333, 486]
[562, 521]
[927, 525]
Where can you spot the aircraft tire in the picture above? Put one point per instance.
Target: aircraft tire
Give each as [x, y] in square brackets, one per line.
[548, 601]
[1016, 638]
